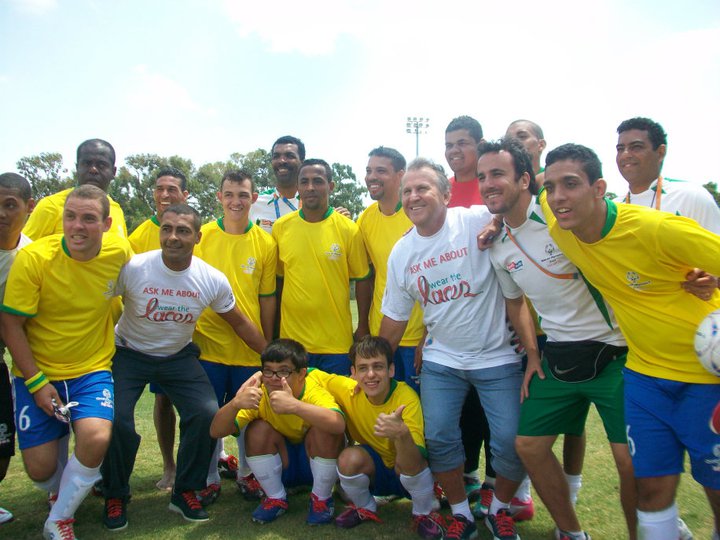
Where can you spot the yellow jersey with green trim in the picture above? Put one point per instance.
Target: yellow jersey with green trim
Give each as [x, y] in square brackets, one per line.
[146, 237]
[68, 304]
[380, 233]
[46, 217]
[638, 266]
[249, 261]
[361, 414]
[317, 262]
[290, 426]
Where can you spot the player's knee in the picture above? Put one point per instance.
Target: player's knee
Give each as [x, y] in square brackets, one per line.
[261, 438]
[352, 461]
[320, 443]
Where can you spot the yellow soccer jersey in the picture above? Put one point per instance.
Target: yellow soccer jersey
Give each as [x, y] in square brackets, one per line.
[317, 261]
[249, 262]
[68, 304]
[290, 426]
[146, 237]
[379, 233]
[46, 218]
[638, 266]
[360, 414]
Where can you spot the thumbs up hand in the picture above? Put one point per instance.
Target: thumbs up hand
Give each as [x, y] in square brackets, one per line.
[391, 425]
[249, 394]
[283, 400]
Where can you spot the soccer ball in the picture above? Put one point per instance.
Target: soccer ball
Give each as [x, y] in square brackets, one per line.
[707, 342]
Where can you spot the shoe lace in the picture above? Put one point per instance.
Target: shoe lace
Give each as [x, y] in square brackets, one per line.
[269, 503]
[65, 528]
[486, 497]
[439, 493]
[191, 500]
[209, 490]
[232, 463]
[318, 505]
[504, 523]
[113, 507]
[252, 483]
[456, 528]
[438, 518]
[366, 514]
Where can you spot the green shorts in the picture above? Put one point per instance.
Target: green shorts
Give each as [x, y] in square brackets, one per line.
[556, 407]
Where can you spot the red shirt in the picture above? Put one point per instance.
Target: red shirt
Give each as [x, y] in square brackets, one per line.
[464, 194]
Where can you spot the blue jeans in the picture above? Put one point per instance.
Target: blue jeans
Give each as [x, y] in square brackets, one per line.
[443, 394]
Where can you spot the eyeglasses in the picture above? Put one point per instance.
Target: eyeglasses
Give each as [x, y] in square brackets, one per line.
[280, 373]
[63, 413]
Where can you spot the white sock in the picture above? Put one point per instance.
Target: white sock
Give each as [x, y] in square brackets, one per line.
[490, 481]
[575, 535]
[77, 480]
[497, 504]
[660, 525]
[357, 488]
[472, 474]
[221, 453]
[213, 476]
[243, 467]
[574, 482]
[523, 491]
[325, 475]
[267, 468]
[420, 488]
[462, 509]
[52, 484]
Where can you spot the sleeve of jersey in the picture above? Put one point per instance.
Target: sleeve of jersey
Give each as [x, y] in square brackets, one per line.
[397, 302]
[41, 222]
[685, 242]
[319, 396]
[509, 288]
[22, 292]
[358, 257]
[413, 418]
[224, 299]
[267, 280]
[244, 417]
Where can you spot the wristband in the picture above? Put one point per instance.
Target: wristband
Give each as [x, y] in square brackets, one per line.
[36, 382]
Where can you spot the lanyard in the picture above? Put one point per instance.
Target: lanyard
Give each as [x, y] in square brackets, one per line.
[573, 275]
[657, 195]
[277, 206]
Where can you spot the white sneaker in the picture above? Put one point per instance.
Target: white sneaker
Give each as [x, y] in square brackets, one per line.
[5, 516]
[685, 532]
[59, 530]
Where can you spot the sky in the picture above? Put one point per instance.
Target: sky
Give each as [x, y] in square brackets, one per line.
[205, 78]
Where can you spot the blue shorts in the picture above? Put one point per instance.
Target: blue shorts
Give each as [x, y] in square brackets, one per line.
[404, 361]
[226, 380]
[298, 472]
[330, 363]
[664, 418]
[386, 481]
[94, 393]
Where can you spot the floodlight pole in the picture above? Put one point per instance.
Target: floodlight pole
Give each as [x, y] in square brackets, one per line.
[417, 125]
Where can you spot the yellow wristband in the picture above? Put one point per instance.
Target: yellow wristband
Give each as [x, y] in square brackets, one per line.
[36, 382]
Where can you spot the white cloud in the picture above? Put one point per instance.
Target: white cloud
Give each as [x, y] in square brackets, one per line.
[34, 7]
[154, 93]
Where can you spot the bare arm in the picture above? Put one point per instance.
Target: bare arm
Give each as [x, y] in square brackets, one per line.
[520, 318]
[393, 427]
[268, 305]
[247, 397]
[363, 297]
[392, 330]
[245, 329]
[486, 237]
[284, 402]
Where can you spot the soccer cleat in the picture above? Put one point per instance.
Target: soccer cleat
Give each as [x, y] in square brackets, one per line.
[321, 511]
[460, 528]
[382, 500]
[683, 529]
[59, 530]
[250, 488]
[269, 510]
[354, 516]
[5, 516]
[522, 510]
[472, 487]
[440, 496]
[429, 526]
[187, 505]
[115, 515]
[227, 467]
[562, 535]
[501, 525]
[209, 495]
[482, 506]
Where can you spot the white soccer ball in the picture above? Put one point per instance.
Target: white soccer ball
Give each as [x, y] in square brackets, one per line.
[707, 342]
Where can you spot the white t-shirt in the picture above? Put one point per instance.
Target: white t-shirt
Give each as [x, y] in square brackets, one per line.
[569, 309]
[162, 306]
[271, 206]
[682, 199]
[463, 307]
[7, 256]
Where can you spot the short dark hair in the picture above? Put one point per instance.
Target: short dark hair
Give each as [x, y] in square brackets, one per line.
[289, 139]
[285, 349]
[93, 193]
[19, 183]
[521, 159]
[397, 159]
[315, 161]
[655, 131]
[175, 173]
[183, 209]
[577, 152]
[418, 163]
[371, 347]
[535, 128]
[97, 142]
[469, 123]
[238, 175]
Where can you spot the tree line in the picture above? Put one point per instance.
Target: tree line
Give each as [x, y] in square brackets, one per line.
[135, 180]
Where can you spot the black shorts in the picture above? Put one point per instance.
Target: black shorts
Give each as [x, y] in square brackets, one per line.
[7, 416]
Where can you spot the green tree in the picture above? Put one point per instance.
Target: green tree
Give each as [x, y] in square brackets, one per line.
[712, 187]
[348, 192]
[46, 173]
[257, 163]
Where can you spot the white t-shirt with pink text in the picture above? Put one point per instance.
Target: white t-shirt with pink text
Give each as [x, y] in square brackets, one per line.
[454, 282]
[162, 306]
